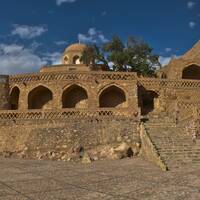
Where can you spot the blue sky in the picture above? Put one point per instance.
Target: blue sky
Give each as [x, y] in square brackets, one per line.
[35, 32]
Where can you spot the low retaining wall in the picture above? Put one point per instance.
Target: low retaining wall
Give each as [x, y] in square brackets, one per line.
[44, 138]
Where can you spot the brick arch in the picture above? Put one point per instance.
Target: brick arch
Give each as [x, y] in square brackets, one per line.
[112, 96]
[13, 86]
[111, 84]
[14, 98]
[30, 88]
[78, 83]
[76, 59]
[40, 97]
[75, 96]
[191, 72]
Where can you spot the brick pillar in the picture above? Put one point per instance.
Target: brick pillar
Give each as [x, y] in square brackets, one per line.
[132, 96]
[92, 94]
[57, 98]
[23, 99]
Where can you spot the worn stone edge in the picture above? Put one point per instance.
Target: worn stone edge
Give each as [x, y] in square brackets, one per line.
[150, 147]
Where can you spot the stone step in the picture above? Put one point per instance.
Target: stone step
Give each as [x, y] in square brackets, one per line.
[174, 146]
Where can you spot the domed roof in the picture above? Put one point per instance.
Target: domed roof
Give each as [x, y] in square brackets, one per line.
[76, 47]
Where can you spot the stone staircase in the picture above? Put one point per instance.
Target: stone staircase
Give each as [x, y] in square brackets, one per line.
[173, 145]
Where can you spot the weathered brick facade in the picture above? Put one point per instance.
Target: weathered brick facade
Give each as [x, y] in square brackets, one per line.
[70, 104]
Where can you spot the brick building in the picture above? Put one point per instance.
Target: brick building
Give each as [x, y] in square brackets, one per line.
[68, 104]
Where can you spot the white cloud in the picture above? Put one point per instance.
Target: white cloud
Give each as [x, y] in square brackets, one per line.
[92, 32]
[102, 38]
[191, 4]
[92, 36]
[34, 45]
[192, 24]
[168, 49]
[28, 32]
[18, 59]
[164, 60]
[59, 2]
[61, 42]
[53, 58]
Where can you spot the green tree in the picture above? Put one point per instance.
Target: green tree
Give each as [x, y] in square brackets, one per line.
[141, 57]
[135, 56]
[94, 57]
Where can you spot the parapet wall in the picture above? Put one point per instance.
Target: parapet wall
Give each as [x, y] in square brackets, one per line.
[61, 138]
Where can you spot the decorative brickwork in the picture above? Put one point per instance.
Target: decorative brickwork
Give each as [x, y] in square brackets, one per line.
[80, 105]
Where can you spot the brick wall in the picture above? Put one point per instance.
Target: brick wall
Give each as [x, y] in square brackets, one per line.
[4, 92]
[41, 136]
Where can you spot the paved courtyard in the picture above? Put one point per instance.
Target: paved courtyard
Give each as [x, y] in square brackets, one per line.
[110, 180]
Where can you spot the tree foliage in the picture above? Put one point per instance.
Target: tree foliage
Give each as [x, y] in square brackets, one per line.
[135, 56]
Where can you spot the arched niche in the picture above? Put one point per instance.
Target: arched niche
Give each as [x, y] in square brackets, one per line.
[14, 98]
[112, 97]
[75, 96]
[66, 60]
[76, 60]
[40, 98]
[191, 72]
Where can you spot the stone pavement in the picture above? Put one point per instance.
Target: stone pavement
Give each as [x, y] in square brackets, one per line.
[107, 180]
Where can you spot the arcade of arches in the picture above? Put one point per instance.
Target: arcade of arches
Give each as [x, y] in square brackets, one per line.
[76, 96]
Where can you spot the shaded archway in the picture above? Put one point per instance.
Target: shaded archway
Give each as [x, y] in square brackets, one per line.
[74, 97]
[14, 98]
[76, 60]
[191, 72]
[147, 100]
[112, 96]
[39, 98]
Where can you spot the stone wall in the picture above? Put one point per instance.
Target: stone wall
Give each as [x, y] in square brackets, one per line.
[4, 92]
[65, 139]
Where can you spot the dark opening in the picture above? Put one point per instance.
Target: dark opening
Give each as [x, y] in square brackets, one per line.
[191, 72]
[130, 152]
[147, 100]
[14, 98]
[74, 97]
[112, 97]
[39, 97]
[76, 60]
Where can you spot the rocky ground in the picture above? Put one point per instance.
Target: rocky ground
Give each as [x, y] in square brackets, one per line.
[77, 153]
[106, 180]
